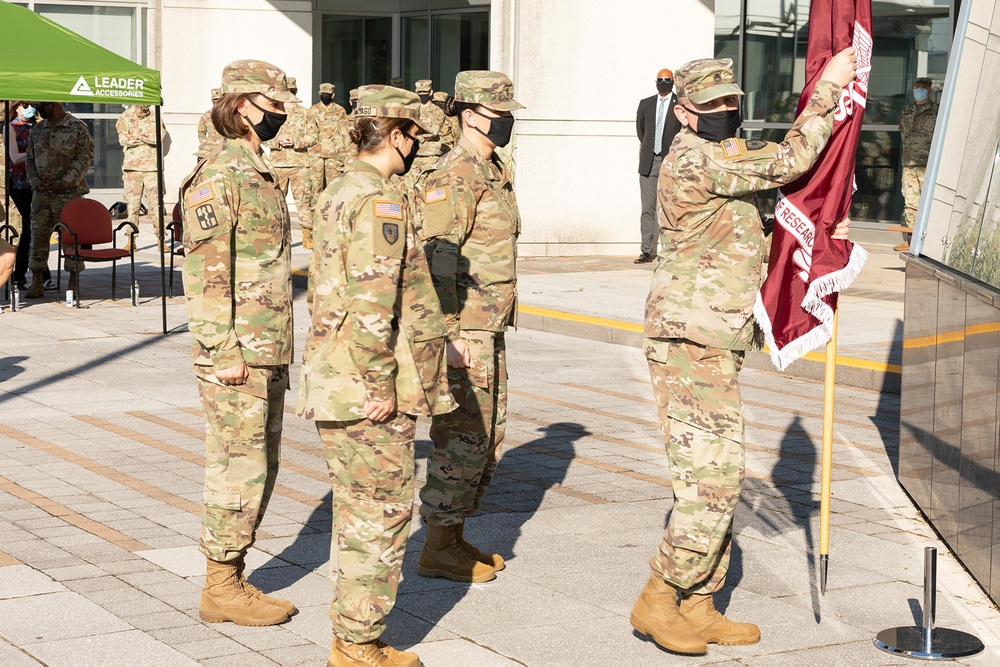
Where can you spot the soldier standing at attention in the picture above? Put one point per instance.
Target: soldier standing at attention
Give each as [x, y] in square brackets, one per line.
[209, 138]
[916, 129]
[698, 323]
[327, 154]
[470, 229]
[137, 134]
[290, 158]
[237, 279]
[450, 132]
[59, 154]
[353, 99]
[432, 118]
[374, 359]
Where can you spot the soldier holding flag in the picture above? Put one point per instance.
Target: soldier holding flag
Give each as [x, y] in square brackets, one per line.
[698, 323]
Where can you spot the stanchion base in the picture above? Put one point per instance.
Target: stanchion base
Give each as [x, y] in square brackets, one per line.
[946, 644]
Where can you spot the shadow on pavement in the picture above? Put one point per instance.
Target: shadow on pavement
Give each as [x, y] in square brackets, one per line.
[515, 495]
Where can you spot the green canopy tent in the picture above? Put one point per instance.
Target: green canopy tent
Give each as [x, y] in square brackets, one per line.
[65, 67]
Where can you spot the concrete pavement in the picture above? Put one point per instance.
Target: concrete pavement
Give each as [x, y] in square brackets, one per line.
[100, 486]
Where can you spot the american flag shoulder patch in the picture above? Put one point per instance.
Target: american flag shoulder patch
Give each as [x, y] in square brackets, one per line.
[388, 209]
[435, 196]
[731, 147]
[200, 196]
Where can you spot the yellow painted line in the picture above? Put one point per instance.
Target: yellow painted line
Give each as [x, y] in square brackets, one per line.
[951, 336]
[847, 362]
[301, 272]
[586, 319]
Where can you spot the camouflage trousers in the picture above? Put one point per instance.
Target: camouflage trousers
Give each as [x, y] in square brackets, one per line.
[322, 172]
[242, 456]
[467, 440]
[45, 210]
[371, 472]
[912, 184]
[136, 183]
[701, 412]
[297, 178]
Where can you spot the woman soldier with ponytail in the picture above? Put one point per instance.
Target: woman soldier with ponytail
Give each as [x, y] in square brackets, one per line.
[374, 359]
[470, 225]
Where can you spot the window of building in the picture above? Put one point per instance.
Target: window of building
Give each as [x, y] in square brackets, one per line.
[767, 42]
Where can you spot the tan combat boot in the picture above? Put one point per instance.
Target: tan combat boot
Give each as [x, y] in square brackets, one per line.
[657, 615]
[715, 628]
[37, 287]
[307, 238]
[282, 603]
[493, 560]
[225, 599]
[372, 654]
[442, 556]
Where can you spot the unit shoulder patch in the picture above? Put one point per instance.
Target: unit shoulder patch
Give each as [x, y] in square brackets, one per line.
[756, 144]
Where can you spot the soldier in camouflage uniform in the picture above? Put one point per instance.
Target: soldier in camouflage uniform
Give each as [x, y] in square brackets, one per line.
[59, 154]
[334, 150]
[236, 224]
[290, 158]
[916, 129]
[432, 147]
[470, 228]
[374, 359]
[353, 99]
[449, 132]
[209, 139]
[137, 134]
[698, 323]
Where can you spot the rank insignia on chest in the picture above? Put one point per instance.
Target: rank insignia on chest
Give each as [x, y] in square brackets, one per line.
[390, 230]
[731, 147]
[436, 195]
[388, 209]
[206, 217]
[200, 196]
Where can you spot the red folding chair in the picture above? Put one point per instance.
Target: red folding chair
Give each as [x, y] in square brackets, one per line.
[83, 224]
[176, 229]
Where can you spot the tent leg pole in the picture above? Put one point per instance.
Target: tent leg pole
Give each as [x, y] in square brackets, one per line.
[159, 214]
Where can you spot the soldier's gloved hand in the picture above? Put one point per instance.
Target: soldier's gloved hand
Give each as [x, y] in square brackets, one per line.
[840, 69]
[234, 375]
[842, 229]
[380, 411]
[458, 354]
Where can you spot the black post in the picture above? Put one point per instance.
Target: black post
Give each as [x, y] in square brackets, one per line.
[159, 214]
[6, 198]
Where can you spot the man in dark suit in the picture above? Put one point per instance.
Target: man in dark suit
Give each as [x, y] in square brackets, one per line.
[655, 125]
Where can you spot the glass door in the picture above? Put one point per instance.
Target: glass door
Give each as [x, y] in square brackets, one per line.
[355, 51]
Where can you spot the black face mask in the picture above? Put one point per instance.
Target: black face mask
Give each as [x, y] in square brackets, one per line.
[424, 97]
[409, 157]
[44, 110]
[664, 88]
[269, 125]
[325, 98]
[717, 126]
[500, 129]
[354, 106]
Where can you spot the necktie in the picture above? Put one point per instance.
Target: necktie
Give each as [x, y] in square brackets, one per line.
[660, 113]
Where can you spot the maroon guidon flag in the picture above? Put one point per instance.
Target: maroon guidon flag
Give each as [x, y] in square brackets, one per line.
[807, 268]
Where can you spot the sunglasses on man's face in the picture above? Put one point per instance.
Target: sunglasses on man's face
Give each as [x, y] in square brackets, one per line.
[664, 79]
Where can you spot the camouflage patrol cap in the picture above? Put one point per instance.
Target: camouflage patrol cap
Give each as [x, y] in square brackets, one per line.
[423, 86]
[493, 90]
[923, 81]
[292, 83]
[388, 102]
[216, 93]
[256, 76]
[439, 96]
[354, 95]
[706, 80]
[327, 88]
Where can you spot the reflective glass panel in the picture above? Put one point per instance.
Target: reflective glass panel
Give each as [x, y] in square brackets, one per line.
[460, 42]
[415, 48]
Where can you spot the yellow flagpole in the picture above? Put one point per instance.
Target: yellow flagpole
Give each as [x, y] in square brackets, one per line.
[829, 384]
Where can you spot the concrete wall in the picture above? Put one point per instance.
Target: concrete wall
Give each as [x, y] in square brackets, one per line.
[198, 38]
[581, 67]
